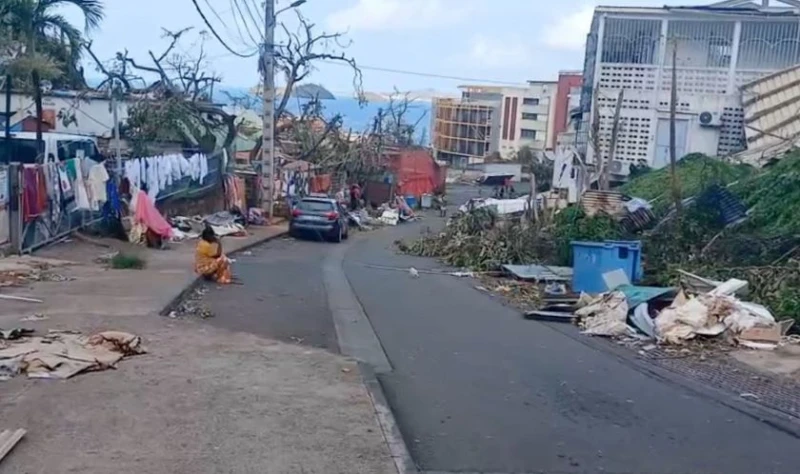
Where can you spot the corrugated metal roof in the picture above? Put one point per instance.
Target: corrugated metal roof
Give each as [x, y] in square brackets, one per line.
[539, 272]
[608, 202]
[771, 107]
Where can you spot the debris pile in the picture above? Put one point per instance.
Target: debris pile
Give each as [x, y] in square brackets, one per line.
[16, 271]
[521, 294]
[670, 318]
[62, 354]
[193, 305]
[478, 240]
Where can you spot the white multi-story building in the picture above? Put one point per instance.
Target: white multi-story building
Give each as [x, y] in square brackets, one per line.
[488, 119]
[717, 49]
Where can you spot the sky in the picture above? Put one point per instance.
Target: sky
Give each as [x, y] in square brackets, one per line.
[476, 41]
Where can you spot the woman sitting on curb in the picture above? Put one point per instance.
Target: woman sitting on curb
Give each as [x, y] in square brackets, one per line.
[210, 262]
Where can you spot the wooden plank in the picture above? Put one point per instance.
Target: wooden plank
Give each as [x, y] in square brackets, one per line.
[8, 440]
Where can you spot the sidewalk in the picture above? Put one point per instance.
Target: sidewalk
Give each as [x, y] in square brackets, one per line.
[202, 400]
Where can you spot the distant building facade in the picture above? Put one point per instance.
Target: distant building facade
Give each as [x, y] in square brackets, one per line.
[717, 49]
[489, 119]
[567, 102]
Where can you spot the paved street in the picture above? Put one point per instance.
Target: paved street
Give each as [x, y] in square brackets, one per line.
[281, 295]
[476, 388]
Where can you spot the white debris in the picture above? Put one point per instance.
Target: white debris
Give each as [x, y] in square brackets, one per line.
[711, 314]
[414, 273]
[605, 317]
[390, 217]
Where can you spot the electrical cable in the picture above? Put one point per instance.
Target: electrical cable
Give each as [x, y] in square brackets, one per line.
[252, 16]
[235, 5]
[426, 74]
[406, 72]
[216, 35]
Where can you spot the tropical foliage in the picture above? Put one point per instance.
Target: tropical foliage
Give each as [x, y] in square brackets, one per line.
[50, 44]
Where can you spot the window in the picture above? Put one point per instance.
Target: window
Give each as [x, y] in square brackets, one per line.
[18, 150]
[530, 101]
[315, 206]
[529, 116]
[76, 149]
[530, 134]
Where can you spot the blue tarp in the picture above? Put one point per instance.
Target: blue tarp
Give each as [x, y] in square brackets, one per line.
[637, 295]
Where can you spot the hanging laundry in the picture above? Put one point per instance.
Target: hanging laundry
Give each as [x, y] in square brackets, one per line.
[164, 172]
[184, 166]
[98, 176]
[203, 167]
[113, 205]
[72, 167]
[147, 214]
[133, 171]
[30, 200]
[63, 179]
[81, 195]
[152, 177]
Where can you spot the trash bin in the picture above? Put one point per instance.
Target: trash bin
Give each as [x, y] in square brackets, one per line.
[411, 201]
[590, 260]
[426, 201]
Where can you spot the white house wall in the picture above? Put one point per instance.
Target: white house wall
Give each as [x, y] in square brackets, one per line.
[92, 117]
[715, 56]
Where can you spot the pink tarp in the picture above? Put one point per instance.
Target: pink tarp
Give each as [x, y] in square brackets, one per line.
[147, 214]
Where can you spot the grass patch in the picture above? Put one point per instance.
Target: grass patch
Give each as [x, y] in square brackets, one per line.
[124, 261]
[695, 173]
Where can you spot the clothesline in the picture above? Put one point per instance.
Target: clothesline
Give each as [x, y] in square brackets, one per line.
[157, 173]
[55, 188]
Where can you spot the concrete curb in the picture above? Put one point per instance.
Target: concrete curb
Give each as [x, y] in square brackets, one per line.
[383, 413]
[186, 290]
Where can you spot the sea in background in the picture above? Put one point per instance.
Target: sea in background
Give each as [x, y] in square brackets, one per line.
[359, 118]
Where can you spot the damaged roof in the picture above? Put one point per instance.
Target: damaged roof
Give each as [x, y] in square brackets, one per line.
[730, 7]
[771, 106]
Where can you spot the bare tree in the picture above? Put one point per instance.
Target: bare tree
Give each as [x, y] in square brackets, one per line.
[298, 55]
[173, 91]
[397, 128]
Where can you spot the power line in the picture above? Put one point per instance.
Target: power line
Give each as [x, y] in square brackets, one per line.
[235, 4]
[219, 38]
[252, 16]
[406, 72]
[425, 74]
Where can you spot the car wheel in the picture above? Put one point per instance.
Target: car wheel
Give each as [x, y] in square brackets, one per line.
[337, 236]
[294, 233]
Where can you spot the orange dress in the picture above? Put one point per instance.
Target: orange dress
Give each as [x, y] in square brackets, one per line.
[211, 263]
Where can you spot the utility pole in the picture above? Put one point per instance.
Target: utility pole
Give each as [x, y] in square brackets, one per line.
[8, 108]
[673, 103]
[268, 131]
[115, 115]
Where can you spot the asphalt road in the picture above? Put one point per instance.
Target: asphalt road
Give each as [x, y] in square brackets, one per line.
[476, 388]
[281, 294]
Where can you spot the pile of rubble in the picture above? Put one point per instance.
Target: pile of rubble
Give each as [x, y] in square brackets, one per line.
[480, 240]
[16, 271]
[63, 354]
[673, 317]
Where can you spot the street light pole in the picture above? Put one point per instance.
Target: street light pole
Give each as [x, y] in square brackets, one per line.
[268, 131]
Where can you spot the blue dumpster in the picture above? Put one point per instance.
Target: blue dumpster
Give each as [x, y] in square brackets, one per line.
[411, 201]
[590, 260]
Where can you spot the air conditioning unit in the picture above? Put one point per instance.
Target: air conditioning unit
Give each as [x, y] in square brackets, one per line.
[710, 119]
[620, 168]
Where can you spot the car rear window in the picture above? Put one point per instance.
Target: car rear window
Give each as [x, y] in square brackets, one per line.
[315, 206]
